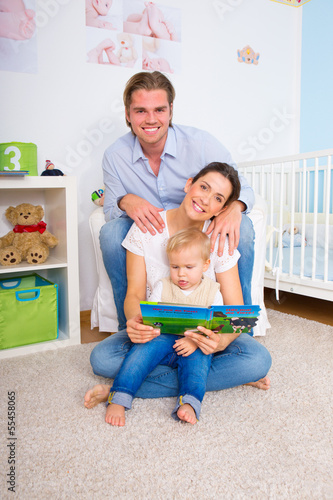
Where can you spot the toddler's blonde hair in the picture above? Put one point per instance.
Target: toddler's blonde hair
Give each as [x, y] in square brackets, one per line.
[189, 237]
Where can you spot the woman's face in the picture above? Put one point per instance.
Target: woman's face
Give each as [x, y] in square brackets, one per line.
[207, 196]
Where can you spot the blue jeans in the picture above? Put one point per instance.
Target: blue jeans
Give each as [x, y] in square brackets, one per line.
[244, 360]
[141, 359]
[114, 256]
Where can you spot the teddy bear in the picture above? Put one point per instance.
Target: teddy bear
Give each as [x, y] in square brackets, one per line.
[127, 53]
[29, 240]
[286, 237]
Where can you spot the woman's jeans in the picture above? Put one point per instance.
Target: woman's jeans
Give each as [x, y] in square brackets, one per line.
[143, 358]
[114, 256]
[244, 360]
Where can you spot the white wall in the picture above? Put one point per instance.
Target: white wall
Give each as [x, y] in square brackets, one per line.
[73, 110]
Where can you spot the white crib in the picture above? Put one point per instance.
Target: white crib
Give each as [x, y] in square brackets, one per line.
[298, 192]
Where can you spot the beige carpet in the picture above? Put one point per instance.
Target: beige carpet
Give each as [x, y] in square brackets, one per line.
[249, 444]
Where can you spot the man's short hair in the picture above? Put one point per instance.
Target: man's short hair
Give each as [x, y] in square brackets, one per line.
[148, 81]
[190, 236]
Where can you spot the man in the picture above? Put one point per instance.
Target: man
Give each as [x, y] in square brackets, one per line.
[145, 172]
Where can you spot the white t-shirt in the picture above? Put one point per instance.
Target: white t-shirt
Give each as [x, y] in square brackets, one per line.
[153, 249]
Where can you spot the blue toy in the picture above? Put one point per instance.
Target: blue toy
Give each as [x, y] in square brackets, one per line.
[286, 238]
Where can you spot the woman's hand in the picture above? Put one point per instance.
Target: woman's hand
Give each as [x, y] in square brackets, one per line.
[140, 333]
[227, 223]
[210, 342]
[185, 347]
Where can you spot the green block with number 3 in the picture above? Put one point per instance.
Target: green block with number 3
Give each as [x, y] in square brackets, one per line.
[17, 156]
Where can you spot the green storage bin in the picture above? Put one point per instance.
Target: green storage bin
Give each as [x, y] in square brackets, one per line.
[18, 156]
[28, 310]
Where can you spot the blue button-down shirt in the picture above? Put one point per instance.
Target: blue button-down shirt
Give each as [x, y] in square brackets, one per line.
[187, 150]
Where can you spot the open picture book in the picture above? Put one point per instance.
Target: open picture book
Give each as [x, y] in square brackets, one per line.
[177, 318]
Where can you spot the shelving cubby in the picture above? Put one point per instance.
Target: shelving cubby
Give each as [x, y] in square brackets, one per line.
[58, 197]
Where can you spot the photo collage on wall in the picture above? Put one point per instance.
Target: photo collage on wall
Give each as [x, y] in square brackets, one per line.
[18, 38]
[134, 34]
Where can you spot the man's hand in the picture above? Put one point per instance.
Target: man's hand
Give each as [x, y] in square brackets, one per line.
[227, 223]
[144, 214]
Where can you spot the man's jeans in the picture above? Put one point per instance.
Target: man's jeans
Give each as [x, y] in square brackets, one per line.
[114, 256]
[141, 359]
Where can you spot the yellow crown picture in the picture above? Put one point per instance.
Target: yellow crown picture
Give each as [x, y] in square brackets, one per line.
[293, 3]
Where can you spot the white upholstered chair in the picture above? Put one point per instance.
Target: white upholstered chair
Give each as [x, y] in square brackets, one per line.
[103, 313]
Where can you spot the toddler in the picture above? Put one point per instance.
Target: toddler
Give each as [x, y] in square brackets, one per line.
[188, 252]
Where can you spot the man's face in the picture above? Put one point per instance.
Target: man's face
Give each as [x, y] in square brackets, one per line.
[149, 115]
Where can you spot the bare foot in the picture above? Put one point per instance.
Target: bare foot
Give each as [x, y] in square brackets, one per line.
[17, 26]
[263, 384]
[187, 414]
[115, 415]
[96, 395]
[158, 25]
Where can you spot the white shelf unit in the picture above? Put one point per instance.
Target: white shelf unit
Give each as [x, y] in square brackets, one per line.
[58, 197]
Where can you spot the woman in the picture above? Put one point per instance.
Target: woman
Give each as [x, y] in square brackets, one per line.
[238, 358]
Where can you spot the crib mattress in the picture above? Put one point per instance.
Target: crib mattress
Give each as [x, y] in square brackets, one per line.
[307, 261]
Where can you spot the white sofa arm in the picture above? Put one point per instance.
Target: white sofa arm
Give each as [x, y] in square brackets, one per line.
[103, 312]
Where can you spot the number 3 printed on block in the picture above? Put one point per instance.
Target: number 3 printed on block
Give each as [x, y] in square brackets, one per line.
[14, 159]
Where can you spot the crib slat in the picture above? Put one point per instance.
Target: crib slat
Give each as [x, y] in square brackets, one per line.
[315, 219]
[304, 197]
[281, 202]
[327, 214]
[292, 219]
[271, 177]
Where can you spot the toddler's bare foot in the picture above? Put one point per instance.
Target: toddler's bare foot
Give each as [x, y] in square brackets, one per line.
[17, 26]
[263, 383]
[170, 29]
[187, 414]
[105, 25]
[115, 415]
[113, 59]
[96, 395]
[138, 24]
[159, 26]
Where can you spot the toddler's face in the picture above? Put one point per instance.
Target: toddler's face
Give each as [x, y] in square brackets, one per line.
[187, 267]
[102, 6]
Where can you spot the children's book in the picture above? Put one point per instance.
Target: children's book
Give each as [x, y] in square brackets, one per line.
[14, 173]
[177, 318]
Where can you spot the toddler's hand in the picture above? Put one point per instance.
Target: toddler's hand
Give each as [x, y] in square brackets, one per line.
[185, 346]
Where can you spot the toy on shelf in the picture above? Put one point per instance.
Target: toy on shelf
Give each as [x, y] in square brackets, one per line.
[50, 170]
[98, 197]
[29, 240]
[286, 237]
[248, 55]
